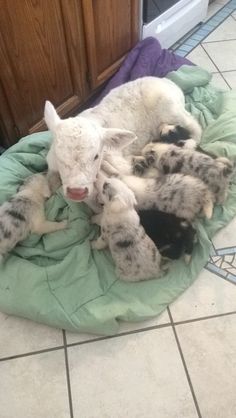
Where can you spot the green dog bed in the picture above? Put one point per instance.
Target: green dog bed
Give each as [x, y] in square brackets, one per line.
[56, 279]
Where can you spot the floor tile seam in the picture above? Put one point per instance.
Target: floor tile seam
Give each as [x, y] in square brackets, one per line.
[219, 41]
[203, 318]
[152, 328]
[187, 374]
[31, 353]
[68, 381]
[216, 66]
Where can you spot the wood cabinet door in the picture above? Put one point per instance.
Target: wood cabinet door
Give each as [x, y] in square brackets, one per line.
[42, 56]
[111, 30]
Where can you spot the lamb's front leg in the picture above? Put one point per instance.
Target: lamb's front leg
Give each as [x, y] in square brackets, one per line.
[100, 243]
[96, 219]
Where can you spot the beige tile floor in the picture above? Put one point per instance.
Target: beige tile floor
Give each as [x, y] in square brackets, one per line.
[179, 365]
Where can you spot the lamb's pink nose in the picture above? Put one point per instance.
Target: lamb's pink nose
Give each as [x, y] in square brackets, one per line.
[75, 193]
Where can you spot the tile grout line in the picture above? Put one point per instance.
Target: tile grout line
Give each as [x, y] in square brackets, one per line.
[203, 318]
[225, 71]
[32, 353]
[216, 66]
[136, 331]
[220, 40]
[68, 375]
[152, 328]
[121, 334]
[184, 365]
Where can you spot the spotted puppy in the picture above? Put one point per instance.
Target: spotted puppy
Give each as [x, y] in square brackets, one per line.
[216, 173]
[135, 255]
[24, 213]
[184, 196]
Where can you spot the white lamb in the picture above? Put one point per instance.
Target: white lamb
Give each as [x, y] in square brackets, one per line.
[142, 110]
[134, 253]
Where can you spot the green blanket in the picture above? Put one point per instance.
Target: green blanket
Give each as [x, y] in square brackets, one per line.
[58, 280]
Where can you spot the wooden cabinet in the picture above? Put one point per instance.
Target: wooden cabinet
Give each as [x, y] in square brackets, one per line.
[111, 29]
[59, 50]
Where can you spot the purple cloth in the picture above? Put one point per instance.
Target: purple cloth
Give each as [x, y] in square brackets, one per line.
[146, 58]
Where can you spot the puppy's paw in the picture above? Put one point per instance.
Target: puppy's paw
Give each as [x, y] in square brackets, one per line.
[187, 144]
[54, 181]
[150, 158]
[63, 224]
[187, 258]
[139, 165]
[95, 245]
[95, 219]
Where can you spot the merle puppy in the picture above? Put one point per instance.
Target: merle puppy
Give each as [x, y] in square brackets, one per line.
[134, 253]
[24, 213]
[215, 173]
[183, 196]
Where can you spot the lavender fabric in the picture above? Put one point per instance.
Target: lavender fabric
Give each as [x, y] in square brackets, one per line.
[147, 58]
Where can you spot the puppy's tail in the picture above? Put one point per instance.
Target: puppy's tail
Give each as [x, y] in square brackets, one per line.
[208, 205]
[226, 166]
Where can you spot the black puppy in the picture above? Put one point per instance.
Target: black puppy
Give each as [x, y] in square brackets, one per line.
[173, 236]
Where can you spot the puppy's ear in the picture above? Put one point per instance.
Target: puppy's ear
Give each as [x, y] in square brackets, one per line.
[117, 204]
[131, 200]
[50, 116]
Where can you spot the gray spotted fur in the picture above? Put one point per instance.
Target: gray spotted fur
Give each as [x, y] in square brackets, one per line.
[134, 253]
[215, 173]
[184, 196]
[24, 213]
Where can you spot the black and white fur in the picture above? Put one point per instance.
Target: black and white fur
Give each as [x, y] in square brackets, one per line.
[215, 173]
[184, 196]
[173, 236]
[24, 213]
[134, 253]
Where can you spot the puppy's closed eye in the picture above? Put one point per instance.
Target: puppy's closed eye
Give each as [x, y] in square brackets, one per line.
[96, 157]
[105, 186]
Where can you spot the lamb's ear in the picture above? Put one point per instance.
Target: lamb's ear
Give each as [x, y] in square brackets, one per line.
[118, 138]
[50, 116]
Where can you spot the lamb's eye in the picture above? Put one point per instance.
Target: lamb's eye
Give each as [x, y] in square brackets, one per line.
[96, 157]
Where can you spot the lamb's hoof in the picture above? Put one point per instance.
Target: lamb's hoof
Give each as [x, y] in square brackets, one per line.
[139, 165]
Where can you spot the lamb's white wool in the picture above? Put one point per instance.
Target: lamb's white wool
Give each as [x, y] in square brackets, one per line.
[24, 213]
[77, 149]
[134, 253]
[140, 109]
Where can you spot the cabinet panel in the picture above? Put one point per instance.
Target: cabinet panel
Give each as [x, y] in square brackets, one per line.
[111, 30]
[42, 56]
